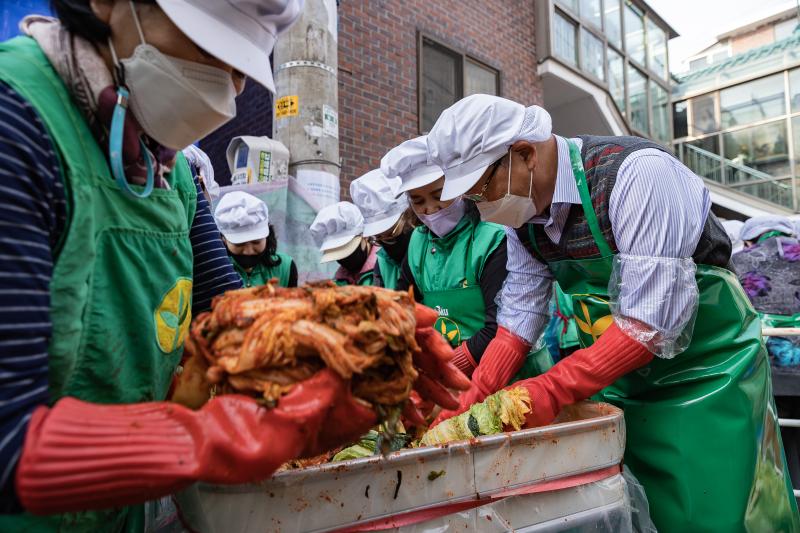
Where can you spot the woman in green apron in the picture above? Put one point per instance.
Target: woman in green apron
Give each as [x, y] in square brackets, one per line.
[456, 264]
[338, 231]
[387, 223]
[250, 239]
[95, 106]
[627, 232]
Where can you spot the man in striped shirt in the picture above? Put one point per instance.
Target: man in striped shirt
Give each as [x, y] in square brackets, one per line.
[667, 332]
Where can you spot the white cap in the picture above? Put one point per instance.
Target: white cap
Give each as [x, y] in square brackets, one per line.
[241, 217]
[336, 227]
[757, 226]
[475, 132]
[240, 33]
[198, 159]
[409, 162]
[376, 198]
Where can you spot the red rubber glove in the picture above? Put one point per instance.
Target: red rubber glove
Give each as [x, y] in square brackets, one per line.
[434, 362]
[463, 360]
[583, 374]
[502, 358]
[83, 456]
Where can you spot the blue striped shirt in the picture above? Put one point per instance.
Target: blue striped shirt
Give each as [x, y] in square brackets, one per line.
[657, 208]
[32, 218]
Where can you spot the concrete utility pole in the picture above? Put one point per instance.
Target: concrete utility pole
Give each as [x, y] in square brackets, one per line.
[306, 100]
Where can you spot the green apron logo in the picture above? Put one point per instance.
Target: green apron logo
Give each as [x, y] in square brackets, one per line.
[449, 329]
[173, 316]
[586, 323]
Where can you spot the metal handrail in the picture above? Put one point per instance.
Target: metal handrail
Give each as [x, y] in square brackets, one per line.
[716, 168]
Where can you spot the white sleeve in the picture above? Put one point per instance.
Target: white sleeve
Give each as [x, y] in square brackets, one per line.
[525, 296]
[658, 209]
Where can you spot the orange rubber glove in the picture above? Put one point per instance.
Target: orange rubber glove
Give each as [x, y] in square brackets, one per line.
[582, 374]
[84, 456]
[502, 358]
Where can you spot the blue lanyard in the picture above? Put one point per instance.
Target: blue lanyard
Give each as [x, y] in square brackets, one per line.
[115, 149]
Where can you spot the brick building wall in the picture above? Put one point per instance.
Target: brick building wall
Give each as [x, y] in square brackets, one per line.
[378, 56]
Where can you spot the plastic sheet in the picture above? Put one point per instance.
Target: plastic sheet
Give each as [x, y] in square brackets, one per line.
[654, 300]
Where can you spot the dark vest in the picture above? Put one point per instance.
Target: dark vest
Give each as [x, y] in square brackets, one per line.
[602, 157]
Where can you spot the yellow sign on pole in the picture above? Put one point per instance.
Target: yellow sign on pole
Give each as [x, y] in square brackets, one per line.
[286, 106]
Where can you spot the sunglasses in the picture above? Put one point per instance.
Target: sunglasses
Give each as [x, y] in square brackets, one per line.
[477, 198]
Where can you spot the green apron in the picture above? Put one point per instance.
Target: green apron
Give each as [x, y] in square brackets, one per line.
[390, 270]
[446, 271]
[568, 332]
[122, 280]
[261, 273]
[702, 431]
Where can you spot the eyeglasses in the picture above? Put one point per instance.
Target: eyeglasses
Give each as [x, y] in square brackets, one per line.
[492, 171]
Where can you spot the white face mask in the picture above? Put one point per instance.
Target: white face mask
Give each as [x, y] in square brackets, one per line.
[175, 101]
[510, 210]
[445, 220]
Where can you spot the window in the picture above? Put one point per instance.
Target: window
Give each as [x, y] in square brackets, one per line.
[479, 79]
[440, 81]
[616, 79]
[794, 90]
[657, 49]
[592, 60]
[613, 23]
[763, 148]
[446, 76]
[564, 40]
[796, 141]
[659, 112]
[590, 12]
[680, 124]
[634, 34]
[637, 94]
[752, 101]
[709, 144]
[700, 62]
[572, 5]
[704, 118]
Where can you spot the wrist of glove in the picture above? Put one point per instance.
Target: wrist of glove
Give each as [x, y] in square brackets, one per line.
[82, 456]
[463, 359]
[582, 374]
[502, 358]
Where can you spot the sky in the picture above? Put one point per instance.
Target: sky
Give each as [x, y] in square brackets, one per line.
[700, 21]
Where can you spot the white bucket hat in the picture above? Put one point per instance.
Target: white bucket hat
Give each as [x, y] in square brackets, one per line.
[757, 226]
[475, 132]
[376, 197]
[409, 162]
[337, 230]
[241, 217]
[240, 33]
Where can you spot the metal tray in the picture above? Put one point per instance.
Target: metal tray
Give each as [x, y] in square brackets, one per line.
[588, 436]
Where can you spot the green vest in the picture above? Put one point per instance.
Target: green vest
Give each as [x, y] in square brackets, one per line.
[446, 271]
[389, 268]
[122, 281]
[261, 273]
[702, 433]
